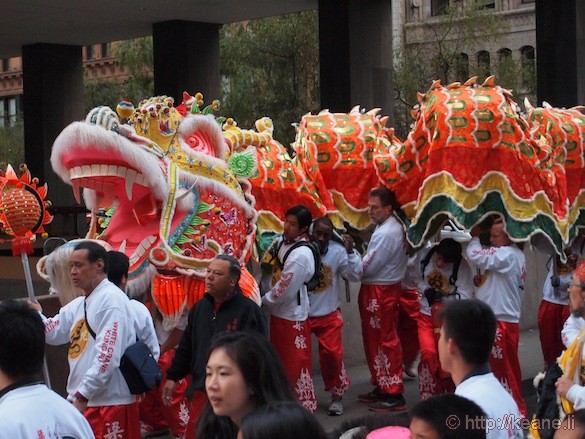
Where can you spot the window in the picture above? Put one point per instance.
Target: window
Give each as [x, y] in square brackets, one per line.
[527, 1]
[528, 65]
[486, 4]
[5, 65]
[89, 52]
[483, 64]
[439, 7]
[106, 50]
[462, 67]
[504, 55]
[8, 111]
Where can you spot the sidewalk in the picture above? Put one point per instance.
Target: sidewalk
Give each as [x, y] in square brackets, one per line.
[530, 361]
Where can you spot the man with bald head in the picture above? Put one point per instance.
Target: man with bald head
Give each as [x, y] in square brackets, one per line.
[501, 287]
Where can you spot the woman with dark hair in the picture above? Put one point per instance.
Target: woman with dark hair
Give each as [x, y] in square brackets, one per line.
[282, 420]
[443, 275]
[243, 373]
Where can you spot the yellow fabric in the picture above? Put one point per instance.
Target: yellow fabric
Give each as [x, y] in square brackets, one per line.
[570, 364]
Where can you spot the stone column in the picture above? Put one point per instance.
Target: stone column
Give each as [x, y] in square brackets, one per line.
[52, 99]
[560, 52]
[355, 45]
[186, 58]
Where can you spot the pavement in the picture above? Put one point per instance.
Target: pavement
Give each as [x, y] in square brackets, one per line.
[531, 363]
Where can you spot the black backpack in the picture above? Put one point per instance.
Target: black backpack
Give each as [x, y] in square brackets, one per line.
[312, 283]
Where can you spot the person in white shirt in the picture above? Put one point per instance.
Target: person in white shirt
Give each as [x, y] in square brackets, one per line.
[384, 266]
[288, 303]
[554, 310]
[443, 275]
[325, 319]
[502, 288]
[156, 417]
[118, 265]
[408, 314]
[571, 387]
[465, 344]
[28, 408]
[95, 385]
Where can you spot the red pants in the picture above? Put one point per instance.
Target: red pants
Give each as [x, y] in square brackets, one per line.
[378, 305]
[198, 403]
[551, 318]
[327, 329]
[432, 380]
[292, 342]
[157, 416]
[504, 361]
[408, 312]
[116, 421]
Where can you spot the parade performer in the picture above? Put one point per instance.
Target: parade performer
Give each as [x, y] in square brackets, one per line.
[443, 275]
[99, 326]
[502, 287]
[288, 303]
[156, 417]
[384, 266]
[325, 319]
[408, 315]
[554, 308]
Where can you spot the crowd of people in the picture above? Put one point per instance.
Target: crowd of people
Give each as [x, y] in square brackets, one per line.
[229, 372]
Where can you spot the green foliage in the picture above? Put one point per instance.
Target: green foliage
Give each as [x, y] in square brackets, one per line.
[136, 58]
[271, 68]
[437, 54]
[12, 144]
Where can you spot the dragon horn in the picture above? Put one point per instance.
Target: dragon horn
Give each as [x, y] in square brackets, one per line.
[489, 81]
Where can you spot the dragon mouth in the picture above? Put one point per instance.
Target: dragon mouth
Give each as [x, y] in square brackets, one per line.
[134, 226]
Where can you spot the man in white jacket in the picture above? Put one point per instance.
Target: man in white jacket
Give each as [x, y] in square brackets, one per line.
[465, 345]
[384, 266]
[325, 319]
[28, 409]
[574, 327]
[288, 304]
[502, 287]
[95, 385]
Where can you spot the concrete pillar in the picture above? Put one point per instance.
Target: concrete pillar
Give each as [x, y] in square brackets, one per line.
[186, 58]
[355, 45]
[560, 52]
[52, 99]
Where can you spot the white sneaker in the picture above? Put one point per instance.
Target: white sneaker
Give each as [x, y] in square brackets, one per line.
[336, 408]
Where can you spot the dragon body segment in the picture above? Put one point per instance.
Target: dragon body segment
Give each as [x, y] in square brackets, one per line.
[470, 154]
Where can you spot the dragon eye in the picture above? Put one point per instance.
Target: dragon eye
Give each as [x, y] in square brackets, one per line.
[192, 141]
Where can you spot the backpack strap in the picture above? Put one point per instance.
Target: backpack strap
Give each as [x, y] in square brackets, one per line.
[426, 260]
[86, 321]
[454, 273]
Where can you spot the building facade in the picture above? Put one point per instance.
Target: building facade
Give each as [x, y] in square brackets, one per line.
[421, 18]
[98, 63]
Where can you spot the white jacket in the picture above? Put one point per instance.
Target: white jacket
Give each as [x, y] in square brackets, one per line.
[386, 259]
[288, 285]
[336, 263]
[438, 279]
[94, 363]
[144, 327]
[505, 272]
[36, 411]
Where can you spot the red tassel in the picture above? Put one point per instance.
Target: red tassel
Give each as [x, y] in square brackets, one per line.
[22, 244]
